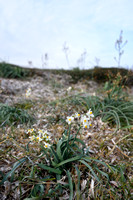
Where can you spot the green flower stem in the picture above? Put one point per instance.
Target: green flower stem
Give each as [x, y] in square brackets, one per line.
[76, 134]
[68, 137]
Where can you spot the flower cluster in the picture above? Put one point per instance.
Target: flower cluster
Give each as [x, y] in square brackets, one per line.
[28, 92]
[84, 120]
[38, 135]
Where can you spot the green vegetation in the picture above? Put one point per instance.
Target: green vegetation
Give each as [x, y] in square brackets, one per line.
[97, 74]
[69, 153]
[12, 115]
[113, 106]
[12, 71]
[24, 105]
[68, 158]
[112, 111]
[100, 74]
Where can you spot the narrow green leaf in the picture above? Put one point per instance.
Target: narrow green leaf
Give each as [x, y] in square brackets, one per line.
[58, 150]
[69, 160]
[78, 184]
[103, 173]
[92, 171]
[47, 178]
[64, 152]
[70, 185]
[53, 163]
[33, 198]
[32, 172]
[127, 127]
[55, 155]
[80, 141]
[56, 171]
[27, 146]
[99, 161]
[16, 165]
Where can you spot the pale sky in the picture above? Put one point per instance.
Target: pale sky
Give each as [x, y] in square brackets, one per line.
[32, 28]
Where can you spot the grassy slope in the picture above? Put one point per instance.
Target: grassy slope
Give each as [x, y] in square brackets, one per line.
[98, 74]
[106, 144]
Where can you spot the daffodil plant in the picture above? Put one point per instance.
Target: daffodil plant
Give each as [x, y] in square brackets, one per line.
[71, 151]
[61, 159]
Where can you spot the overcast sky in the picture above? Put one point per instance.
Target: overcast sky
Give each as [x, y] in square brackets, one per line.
[29, 29]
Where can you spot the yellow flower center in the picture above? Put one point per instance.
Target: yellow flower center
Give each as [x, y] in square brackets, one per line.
[84, 120]
[85, 126]
[69, 119]
[90, 124]
[46, 145]
[37, 138]
[78, 115]
[90, 112]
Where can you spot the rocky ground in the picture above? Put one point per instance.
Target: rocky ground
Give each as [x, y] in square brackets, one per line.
[48, 88]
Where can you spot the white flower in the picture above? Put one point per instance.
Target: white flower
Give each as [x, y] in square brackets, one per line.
[70, 119]
[77, 115]
[84, 119]
[44, 135]
[46, 145]
[87, 124]
[38, 138]
[89, 113]
[47, 138]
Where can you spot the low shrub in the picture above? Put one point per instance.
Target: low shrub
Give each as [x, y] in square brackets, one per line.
[115, 112]
[12, 115]
[12, 71]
